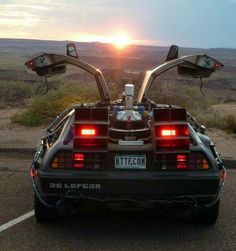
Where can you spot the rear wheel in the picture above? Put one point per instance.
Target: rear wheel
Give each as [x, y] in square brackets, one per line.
[42, 213]
[207, 216]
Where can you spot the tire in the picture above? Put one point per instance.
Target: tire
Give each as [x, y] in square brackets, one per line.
[207, 216]
[42, 213]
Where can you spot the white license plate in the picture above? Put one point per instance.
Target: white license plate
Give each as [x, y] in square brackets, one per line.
[130, 161]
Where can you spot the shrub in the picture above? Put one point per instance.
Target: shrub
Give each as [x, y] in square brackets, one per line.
[230, 123]
[43, 109]
[209, 118]
[214, 119]
[12, 92]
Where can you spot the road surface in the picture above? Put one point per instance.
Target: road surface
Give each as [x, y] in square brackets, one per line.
[116, 231]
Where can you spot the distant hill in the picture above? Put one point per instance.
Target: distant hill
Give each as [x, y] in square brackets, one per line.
[29, 47]
[14, 52]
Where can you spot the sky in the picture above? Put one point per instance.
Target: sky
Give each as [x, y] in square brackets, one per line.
[189, 23]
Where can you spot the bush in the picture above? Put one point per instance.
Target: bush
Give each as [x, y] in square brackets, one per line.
[12, 92]
[208, 118]
[184, 95]
[189, 97]
[230, 123]
[42, 109]
[213, 119]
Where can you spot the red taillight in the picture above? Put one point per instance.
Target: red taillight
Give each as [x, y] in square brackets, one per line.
[90, 139]
[78, 160]
[79, 157]
[79, 165]
[170, 129]
[181, 160]
[166, 132]
[88, 132]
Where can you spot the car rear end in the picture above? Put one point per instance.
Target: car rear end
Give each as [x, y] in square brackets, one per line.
[171, 165]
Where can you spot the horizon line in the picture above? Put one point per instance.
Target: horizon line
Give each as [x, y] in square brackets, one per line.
[98, 42]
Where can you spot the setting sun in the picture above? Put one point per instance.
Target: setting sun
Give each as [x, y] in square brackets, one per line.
[120, 40]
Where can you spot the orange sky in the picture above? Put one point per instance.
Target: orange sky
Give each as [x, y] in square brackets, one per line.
[150, 22]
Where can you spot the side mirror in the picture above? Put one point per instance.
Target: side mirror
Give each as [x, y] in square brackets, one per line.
[203, 67]
[46, 65]
[71, 50]
[193, 71]
[52, 70]
[173, 53]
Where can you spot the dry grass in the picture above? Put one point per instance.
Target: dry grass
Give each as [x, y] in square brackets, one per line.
[43, 109]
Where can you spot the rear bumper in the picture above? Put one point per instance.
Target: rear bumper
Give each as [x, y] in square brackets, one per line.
[199, 188]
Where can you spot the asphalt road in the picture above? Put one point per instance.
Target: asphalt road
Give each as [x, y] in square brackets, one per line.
[116, 231]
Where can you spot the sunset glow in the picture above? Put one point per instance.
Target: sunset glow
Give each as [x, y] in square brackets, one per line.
[120, 23]
[120, 39]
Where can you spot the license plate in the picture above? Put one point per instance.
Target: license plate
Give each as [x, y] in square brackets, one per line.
[130, 161]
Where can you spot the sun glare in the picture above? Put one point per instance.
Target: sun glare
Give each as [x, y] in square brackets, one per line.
[120, 40]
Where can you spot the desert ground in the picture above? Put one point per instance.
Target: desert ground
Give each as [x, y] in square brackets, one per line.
[119, 66]
[14, 136]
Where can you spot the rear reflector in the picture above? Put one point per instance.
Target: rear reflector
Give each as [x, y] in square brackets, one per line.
[33, 172]
[223, 175]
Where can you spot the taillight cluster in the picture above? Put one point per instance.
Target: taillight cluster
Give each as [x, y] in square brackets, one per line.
[90, 137]
[170, 130]
[190, 161]
[62, 160]
[68, 160]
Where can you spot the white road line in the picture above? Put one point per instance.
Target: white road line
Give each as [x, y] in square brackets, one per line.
[16, 221]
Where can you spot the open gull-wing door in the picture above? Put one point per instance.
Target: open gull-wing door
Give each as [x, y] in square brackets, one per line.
[52, 64]
[192, 65]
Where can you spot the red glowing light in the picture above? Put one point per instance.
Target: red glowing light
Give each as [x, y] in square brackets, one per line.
[79, 156]
[217, 66]
[33, 172]
[88, 132]
[79, 165]
[166, 132]
[181, 161]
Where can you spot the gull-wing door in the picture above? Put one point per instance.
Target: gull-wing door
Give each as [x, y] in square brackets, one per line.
[201, 66]
[52, 64]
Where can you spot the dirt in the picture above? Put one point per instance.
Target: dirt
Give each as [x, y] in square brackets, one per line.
[225, 143]
[16, 136]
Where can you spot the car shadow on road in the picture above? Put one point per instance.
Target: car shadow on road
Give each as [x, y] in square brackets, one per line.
[126, 227]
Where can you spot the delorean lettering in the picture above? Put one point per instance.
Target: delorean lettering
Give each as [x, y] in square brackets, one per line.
[75, 186]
